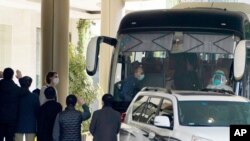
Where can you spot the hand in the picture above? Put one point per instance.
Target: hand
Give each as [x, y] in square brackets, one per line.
[1, 74]
[18, 74]
[80, 101]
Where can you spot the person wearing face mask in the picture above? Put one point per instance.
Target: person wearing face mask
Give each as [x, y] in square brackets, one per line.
[52, 80]
[131, 85]
[219, 81]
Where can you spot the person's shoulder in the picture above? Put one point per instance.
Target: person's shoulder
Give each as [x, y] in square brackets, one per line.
[42, 107]
[59, 105]
[117, 113]
[97, 112]
[34, 96]
[130, 77]
[113, 111]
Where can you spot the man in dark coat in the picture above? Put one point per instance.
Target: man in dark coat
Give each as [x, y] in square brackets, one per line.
[105, 123]
[28, 110]
[47, 115]
[10, 94]
[67, 126]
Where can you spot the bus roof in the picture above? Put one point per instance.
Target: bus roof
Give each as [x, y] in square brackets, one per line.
[191, 19]
[230, 6]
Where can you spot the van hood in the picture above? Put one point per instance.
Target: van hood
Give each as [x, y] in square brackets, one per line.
[210, 133]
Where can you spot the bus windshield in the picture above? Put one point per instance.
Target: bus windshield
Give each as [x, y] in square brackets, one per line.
[174, 60]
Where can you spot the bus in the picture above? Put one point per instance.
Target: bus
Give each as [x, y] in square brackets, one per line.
[179, 49]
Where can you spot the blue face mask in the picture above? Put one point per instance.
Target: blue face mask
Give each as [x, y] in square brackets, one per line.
[216, 82]
[218, 78]
[141, 77]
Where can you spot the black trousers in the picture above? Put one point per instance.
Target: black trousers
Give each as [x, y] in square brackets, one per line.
[7, 130]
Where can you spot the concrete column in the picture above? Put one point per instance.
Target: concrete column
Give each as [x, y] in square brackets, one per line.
[55, 28]
[111, 14]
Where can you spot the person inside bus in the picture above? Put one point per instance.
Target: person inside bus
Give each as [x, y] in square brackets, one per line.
[219, 81]
[185, 75]
[131, 85]
[170, 75]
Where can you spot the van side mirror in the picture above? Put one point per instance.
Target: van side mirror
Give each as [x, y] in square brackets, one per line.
[162, 121]
[239, 59]
[93, 52]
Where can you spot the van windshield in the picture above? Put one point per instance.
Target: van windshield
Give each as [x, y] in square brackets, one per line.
[213, 113]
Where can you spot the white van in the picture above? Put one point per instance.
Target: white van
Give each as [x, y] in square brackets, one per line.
[187, 115]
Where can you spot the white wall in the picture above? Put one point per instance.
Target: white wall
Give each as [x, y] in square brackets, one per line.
[23, 41]
[22, 53]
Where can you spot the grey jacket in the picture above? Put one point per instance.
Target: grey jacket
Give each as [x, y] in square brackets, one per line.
[105, 124]
[67, 126]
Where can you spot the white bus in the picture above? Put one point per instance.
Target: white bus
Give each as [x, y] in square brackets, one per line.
[189, 49]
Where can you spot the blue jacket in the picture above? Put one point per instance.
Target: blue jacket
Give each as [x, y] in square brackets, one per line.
[129, 88]
[28, 110]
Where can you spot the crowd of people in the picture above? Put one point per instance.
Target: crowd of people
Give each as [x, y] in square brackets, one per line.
[38, 116]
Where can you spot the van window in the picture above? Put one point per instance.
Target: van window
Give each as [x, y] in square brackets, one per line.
[150, 111]
[138, 107]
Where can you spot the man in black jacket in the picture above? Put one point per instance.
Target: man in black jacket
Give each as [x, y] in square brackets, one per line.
[9, 99]
[28, 110]
[47, 115]
[105, 123]
[67, 126]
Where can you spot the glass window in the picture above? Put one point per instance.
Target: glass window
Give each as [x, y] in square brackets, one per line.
[166, 109]
[247, 30]
[193, 66]
[150, 111]
[139, 106]
[213, 113]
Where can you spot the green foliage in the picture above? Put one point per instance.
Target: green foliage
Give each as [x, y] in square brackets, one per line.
[80, 84]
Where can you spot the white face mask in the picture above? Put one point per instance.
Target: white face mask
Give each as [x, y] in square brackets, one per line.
[56, 81]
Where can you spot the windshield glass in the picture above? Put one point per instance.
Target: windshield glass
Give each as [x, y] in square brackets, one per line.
[174, 60]
[213, 113]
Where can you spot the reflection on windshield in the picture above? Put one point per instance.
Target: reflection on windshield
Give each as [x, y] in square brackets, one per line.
[213, 113]
[180, 71]
[175, 61]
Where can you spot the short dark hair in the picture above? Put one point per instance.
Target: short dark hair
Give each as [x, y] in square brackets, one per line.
[50, 93]
[107, 99]
[49, 75]
[71, 100]
[8, 73]
[36, 91]
[25, 81]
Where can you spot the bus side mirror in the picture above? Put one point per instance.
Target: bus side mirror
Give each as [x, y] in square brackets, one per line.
[93, 52]
[239, 60]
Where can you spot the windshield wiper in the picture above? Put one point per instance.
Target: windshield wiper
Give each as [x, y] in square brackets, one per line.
[218, 90]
